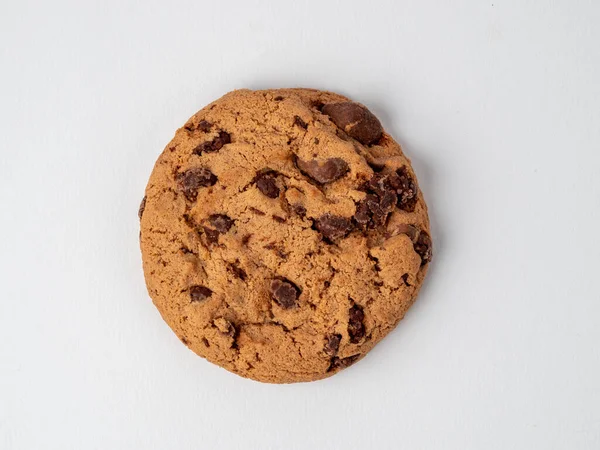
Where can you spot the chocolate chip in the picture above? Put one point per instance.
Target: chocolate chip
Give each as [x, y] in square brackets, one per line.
[423, 247]
[380, 200]
[332, 344]
[301, 123]
[278, 98]
[284, 292]
[362, 216]
[212, 236]
[342, 363]
[142, 207]
[220, 222]
[356, 120]
[216, 144]
[356, 327]
[266, 184]
[204, 126]
[193, 179]
[333, 227]
[324, 172]
[238, 271]
[300, 210]
[406, 189]
[258, 212]
[279, 219]
[199, 293]
[246, 239]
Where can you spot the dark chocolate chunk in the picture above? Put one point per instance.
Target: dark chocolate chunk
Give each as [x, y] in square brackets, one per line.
[212, 236]
[423, 247]
[324, 172]
[333, 227]
[238, 271]
[284, 292]
[356, 327]
[190, 181]
[300, 210]
[332, 344]
[356, 120]
[342, 363]
[204, 126]
[406, 189]
[384, 191]
[266, 184]
[362, 216]
[299, 122]
[199, 293]
[142, 207]
[220, 222]
[215, 145]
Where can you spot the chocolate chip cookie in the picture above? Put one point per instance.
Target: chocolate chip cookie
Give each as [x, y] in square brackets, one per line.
[283, 233]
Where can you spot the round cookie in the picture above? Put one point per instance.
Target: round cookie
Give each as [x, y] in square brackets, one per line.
[283, 233]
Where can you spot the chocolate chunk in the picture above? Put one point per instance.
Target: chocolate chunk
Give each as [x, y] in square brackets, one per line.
[333, 227]
[342, 363]
[362, 216]
[284, 292]
[215, 145]
[278, 98]
[199, 293]
[193, 179]
[423, 247]
[356, 327]
[258, 212]
[279, 219]
[323, 172]
[212, 236]
[266, 184]
[301, 123]
[220, 222]
[373, 211]
[300, 210]
[204, 126]
[142, 207]
[356, 120]
[332, 344]
[406, 189]
[246, 239]
[238, 271]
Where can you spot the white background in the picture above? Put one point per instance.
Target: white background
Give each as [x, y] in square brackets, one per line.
[498, 104]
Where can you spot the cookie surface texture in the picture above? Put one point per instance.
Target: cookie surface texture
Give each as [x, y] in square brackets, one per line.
[283, 234]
